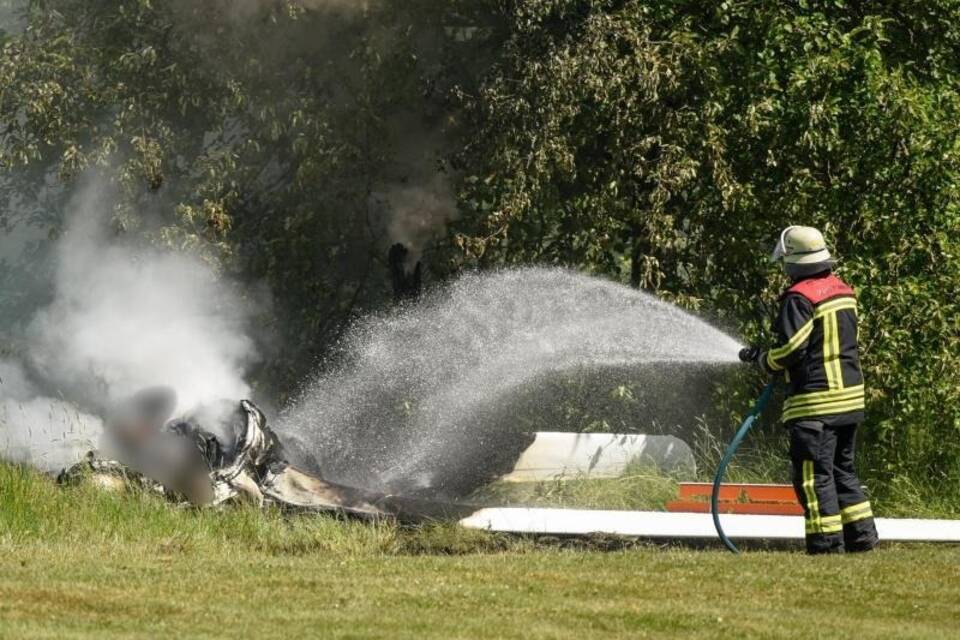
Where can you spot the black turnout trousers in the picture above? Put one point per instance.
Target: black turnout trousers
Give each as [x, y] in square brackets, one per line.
[837, 514]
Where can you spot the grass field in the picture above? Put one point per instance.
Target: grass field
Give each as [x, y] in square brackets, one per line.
[80, 563]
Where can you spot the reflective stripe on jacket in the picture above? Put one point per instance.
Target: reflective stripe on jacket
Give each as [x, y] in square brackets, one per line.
[817, 349]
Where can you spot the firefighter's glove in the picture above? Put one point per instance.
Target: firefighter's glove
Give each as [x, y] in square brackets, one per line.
[750, 355]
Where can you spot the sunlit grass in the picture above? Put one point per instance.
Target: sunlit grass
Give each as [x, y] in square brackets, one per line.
[640, 487]
[83, 563]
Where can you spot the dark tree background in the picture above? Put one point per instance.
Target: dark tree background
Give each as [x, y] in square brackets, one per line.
[659, 143]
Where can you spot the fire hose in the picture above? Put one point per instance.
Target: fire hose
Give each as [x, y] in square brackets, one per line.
[758, 407]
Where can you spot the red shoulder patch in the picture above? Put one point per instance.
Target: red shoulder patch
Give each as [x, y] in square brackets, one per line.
[821, 288]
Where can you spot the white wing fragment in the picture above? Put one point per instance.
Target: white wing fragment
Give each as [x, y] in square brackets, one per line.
[654, 524]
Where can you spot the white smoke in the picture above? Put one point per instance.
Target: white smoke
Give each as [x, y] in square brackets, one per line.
[419, 212]
[48, 433]
[247, 9]
[123, 317]
[10, 20]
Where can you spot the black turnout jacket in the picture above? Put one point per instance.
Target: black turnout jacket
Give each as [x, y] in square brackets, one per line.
[817, 351]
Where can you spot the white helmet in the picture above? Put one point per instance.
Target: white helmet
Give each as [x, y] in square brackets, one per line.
[801, 245]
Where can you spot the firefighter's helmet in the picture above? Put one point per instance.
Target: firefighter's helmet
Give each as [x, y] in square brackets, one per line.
[801, 245]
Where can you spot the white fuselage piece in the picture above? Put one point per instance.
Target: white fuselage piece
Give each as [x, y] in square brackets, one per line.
[554, 455]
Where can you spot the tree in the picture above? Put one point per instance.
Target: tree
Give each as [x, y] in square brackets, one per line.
[665, 144]
[269, 136]
[662, 144]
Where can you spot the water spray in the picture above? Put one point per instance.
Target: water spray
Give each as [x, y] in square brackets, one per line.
[758, 407]
[428, 399]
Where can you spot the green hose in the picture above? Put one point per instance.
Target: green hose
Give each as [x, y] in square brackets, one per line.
[728, 455]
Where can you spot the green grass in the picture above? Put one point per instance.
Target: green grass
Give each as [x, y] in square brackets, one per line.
[59, 591]
[639, 488]
[80, 563]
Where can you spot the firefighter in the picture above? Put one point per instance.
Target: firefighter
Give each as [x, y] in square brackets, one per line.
[817, 352]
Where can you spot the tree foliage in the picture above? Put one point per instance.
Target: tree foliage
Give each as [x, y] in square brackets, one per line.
[666, 144]
[663, 144]
[263, 134]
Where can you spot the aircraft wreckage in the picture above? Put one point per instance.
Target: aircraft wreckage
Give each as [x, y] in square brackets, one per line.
[210, 461]
[220, 454]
